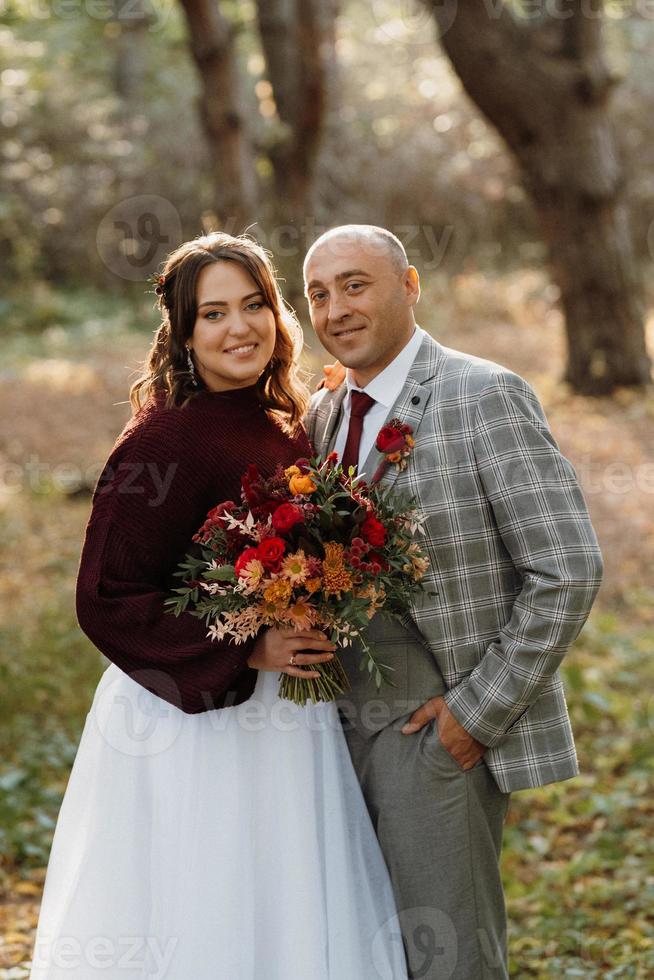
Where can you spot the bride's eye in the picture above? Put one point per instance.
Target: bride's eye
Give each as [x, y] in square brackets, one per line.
[254, 306]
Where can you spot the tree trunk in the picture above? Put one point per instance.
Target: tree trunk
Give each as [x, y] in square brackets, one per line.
[546, 87]
[129, 29]
[223, 115]
[297, 37]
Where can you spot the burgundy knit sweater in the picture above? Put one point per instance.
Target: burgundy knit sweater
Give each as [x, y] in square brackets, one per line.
[167, 469]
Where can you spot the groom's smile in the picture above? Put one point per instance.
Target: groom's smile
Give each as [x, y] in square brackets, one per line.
[347, 332]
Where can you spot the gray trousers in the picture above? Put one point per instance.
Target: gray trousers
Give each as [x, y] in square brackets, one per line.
[439, 826]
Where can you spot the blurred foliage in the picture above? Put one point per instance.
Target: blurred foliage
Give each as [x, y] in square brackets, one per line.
[420, 159]
[46, 670]
[578, 854]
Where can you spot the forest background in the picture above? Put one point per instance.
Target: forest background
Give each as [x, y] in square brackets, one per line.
[511, 147]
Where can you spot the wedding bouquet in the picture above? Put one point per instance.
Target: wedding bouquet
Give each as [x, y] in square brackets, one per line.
[310, 547]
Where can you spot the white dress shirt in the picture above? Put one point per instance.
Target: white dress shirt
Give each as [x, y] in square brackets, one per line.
[385, 389]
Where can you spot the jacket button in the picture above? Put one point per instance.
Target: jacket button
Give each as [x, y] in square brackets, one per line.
[415, 400]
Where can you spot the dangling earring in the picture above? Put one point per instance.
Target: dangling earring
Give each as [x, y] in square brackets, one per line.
[191, 367]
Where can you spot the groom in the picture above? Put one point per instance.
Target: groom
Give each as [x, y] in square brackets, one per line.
[478, 708]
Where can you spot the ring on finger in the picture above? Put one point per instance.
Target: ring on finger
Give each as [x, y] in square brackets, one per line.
[291, 662]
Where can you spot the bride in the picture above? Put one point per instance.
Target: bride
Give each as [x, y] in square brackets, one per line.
[209, 831]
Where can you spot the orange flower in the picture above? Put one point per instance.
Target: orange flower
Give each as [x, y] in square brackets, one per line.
[312, 585]
[299, 482]
[301, 614]
[336, 578]
[271, 612]
[334, 375]
[376, 597]
[278, 592]
[419, 563]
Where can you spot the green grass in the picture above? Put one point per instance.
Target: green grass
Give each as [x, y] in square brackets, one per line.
[578, 854]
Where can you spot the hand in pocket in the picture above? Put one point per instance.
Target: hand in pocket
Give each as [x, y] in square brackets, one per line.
[461, 745]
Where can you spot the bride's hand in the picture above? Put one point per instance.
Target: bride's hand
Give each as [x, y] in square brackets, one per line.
[275, 647]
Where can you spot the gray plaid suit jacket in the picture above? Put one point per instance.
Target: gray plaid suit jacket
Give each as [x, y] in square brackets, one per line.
[513, 556]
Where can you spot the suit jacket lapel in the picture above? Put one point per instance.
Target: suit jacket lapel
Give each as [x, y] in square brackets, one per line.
[410, 405]
[327, 428]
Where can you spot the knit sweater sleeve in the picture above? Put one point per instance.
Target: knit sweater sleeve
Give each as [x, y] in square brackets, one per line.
[149, 501]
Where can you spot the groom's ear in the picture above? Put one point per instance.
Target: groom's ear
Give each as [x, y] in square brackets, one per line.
[412, 284]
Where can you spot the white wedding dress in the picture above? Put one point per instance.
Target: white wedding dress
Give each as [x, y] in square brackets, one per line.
[232, 844]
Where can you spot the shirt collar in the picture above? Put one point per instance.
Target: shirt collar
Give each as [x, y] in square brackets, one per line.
[387, 385]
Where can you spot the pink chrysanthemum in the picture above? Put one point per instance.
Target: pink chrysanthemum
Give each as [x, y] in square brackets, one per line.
[295, 568]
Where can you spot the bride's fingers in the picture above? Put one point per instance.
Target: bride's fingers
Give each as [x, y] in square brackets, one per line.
[313, 658]
[312, 643]
[297, 672]
[292, 634]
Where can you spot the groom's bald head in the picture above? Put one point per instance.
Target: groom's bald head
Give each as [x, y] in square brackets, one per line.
[370, 240]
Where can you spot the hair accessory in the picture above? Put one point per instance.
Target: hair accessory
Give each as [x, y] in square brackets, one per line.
[159, 288]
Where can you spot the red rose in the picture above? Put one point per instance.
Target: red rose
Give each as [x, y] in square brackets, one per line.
[390, 440]
[244, 558]
[373, 531]
[270, 551]
[287, 516]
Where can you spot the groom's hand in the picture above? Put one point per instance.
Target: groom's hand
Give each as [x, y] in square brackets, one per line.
[456, 740]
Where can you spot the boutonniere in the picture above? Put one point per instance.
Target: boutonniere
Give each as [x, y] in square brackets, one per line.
[395, 441]
[334, 376]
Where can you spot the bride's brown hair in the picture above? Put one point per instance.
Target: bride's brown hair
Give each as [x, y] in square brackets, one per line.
[280, 387]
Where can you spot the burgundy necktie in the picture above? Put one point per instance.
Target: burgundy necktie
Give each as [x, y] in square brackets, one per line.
[360, 403]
